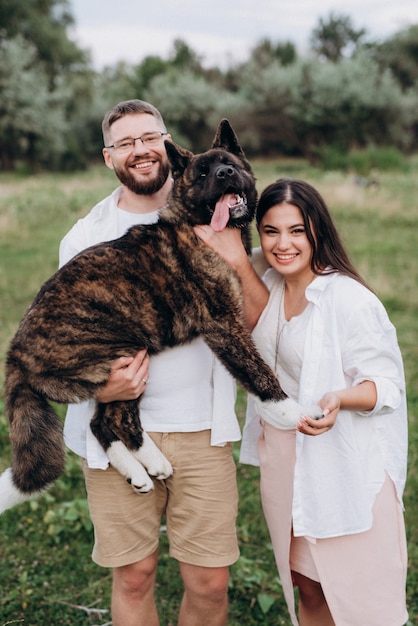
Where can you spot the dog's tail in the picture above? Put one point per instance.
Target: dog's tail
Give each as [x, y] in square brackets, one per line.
[38, 453]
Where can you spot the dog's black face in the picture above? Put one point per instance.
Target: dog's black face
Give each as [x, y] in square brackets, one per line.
[216, 187]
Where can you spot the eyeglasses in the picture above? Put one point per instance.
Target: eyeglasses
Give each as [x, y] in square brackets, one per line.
[127, 144]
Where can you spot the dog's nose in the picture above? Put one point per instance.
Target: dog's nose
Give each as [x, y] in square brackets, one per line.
[225, 170]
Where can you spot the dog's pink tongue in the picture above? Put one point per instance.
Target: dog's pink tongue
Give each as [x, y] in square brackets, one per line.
[220, 215]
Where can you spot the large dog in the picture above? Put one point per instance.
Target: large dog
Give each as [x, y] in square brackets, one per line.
[155, 287]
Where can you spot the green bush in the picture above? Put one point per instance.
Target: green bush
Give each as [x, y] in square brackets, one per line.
[362, 162]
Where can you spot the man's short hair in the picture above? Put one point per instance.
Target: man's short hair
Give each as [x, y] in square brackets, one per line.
[128, 107]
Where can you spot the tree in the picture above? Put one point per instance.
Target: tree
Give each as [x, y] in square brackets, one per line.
[265, 121]
[32, 122]
[191, 107]
[46, 87]
[336, 37]
[184, 58]
[265, 52]
[400, 54]
[349, 104]
[150, 67]
[43, 24]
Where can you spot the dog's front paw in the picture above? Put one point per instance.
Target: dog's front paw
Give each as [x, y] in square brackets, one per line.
[285, 414]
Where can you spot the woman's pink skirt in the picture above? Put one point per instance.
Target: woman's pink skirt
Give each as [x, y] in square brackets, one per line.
[363, 576]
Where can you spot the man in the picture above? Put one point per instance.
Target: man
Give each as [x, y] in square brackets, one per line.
[187, 407]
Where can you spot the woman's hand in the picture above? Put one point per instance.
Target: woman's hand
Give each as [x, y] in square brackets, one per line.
[330, 405]
[128, 378]
[361, 397]
[227, 243]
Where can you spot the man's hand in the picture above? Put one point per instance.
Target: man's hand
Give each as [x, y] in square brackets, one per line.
[128, 378]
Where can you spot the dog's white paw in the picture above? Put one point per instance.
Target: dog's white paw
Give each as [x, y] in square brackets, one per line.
[126, 464]
[153, 459]
[140, 481]
[285, 414]
[138, 466]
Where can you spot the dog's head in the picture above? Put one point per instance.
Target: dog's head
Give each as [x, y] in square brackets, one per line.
[216, 187]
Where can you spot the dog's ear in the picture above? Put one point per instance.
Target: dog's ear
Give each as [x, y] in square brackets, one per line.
[226, 138]
[178, 157]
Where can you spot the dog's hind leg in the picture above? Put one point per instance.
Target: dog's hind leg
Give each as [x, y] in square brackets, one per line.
[138, 465]
[153, 459]
[125, 463]
[117, 427]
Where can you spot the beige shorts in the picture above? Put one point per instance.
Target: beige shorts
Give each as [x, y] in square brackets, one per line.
[199, 502]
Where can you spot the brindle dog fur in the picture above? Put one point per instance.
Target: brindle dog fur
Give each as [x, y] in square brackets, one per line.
[157, 286]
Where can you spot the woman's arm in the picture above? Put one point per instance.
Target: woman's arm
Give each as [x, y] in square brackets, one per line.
[228, 244]
[362, 397]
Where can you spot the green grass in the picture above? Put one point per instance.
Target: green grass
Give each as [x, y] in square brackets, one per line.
[46, 574]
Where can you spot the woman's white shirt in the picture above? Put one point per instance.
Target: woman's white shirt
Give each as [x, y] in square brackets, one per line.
[349, 338]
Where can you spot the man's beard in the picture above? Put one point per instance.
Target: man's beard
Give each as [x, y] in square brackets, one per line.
[144, 188]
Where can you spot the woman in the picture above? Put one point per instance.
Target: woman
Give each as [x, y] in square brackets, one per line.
[331, 488]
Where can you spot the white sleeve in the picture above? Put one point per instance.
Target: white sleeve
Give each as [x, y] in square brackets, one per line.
[371, 352]
[71, 244]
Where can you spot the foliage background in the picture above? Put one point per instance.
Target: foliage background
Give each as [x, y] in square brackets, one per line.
[346, 92]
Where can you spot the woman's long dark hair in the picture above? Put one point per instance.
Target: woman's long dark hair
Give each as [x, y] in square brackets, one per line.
[328, 253]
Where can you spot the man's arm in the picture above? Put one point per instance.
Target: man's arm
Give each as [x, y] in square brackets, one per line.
[128, 378]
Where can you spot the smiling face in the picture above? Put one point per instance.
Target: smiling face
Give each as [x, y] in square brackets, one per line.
[144, 169]
[215, 187]
[284, 241]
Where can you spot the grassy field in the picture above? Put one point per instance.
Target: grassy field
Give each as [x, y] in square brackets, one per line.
[46, 574]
